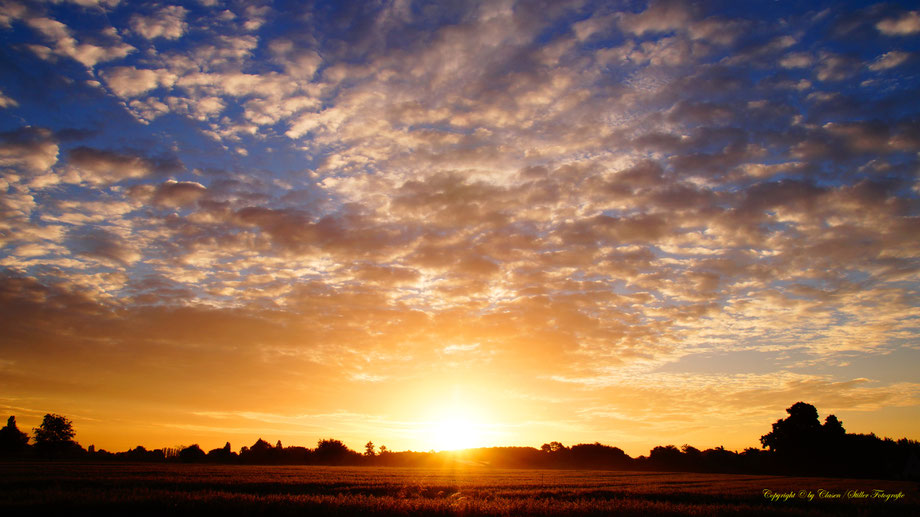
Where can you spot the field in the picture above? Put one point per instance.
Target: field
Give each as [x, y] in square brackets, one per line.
[162, 489]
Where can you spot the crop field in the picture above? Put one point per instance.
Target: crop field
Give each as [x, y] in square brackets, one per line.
[164, 489]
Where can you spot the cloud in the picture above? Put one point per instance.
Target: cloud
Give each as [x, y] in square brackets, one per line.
[459, 349]
[295, 231]
[33, 149]
[889, 60]
[96, 166]
[178, 193]
[835, 67]
[584, 29]
[11, 11]
[255, 16]
[387, 275]
[664, 16]
[101, 244]
[128, 81]
[93, 3]
[906, 24]
[661, 16]
[7, 102]
[40, 307]
[149, 109]
[103, 46]
[797, 60]
[167, 23]
[297, 61]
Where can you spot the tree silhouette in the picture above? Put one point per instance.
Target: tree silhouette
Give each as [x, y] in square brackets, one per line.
[369, 449]
[333, 452]
[54, 437]
[13, 442]
[803, 444]
[598, 455]
[261, 446]
[554, 447]
[666, 457]
[260, 452]
[140, 453]
[223, 455]
[833, 428]
[797, 434]
[192, 454]
[54, 429]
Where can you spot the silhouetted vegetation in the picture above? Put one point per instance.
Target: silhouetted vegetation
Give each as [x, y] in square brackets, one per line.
[334, 452]
[13, 442]
[797, 445]
[192, 454]
[140, 454]
[54, 438]
[222, 455]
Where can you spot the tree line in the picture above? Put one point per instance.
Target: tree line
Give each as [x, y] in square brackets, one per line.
[797, 445]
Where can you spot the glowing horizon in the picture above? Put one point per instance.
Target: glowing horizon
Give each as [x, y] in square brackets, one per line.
[485, 223]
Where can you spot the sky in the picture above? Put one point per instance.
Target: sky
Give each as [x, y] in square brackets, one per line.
[447, 224]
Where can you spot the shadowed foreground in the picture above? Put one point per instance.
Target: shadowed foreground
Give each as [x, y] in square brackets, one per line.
[92, 489]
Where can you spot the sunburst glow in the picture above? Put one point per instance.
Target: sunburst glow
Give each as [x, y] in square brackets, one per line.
[455, 433]
[457, 427]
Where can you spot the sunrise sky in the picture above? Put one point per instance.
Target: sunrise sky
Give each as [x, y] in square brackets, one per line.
[449, 224]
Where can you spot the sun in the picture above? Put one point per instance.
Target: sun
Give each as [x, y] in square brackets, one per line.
[457, 428]
[453, 434]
